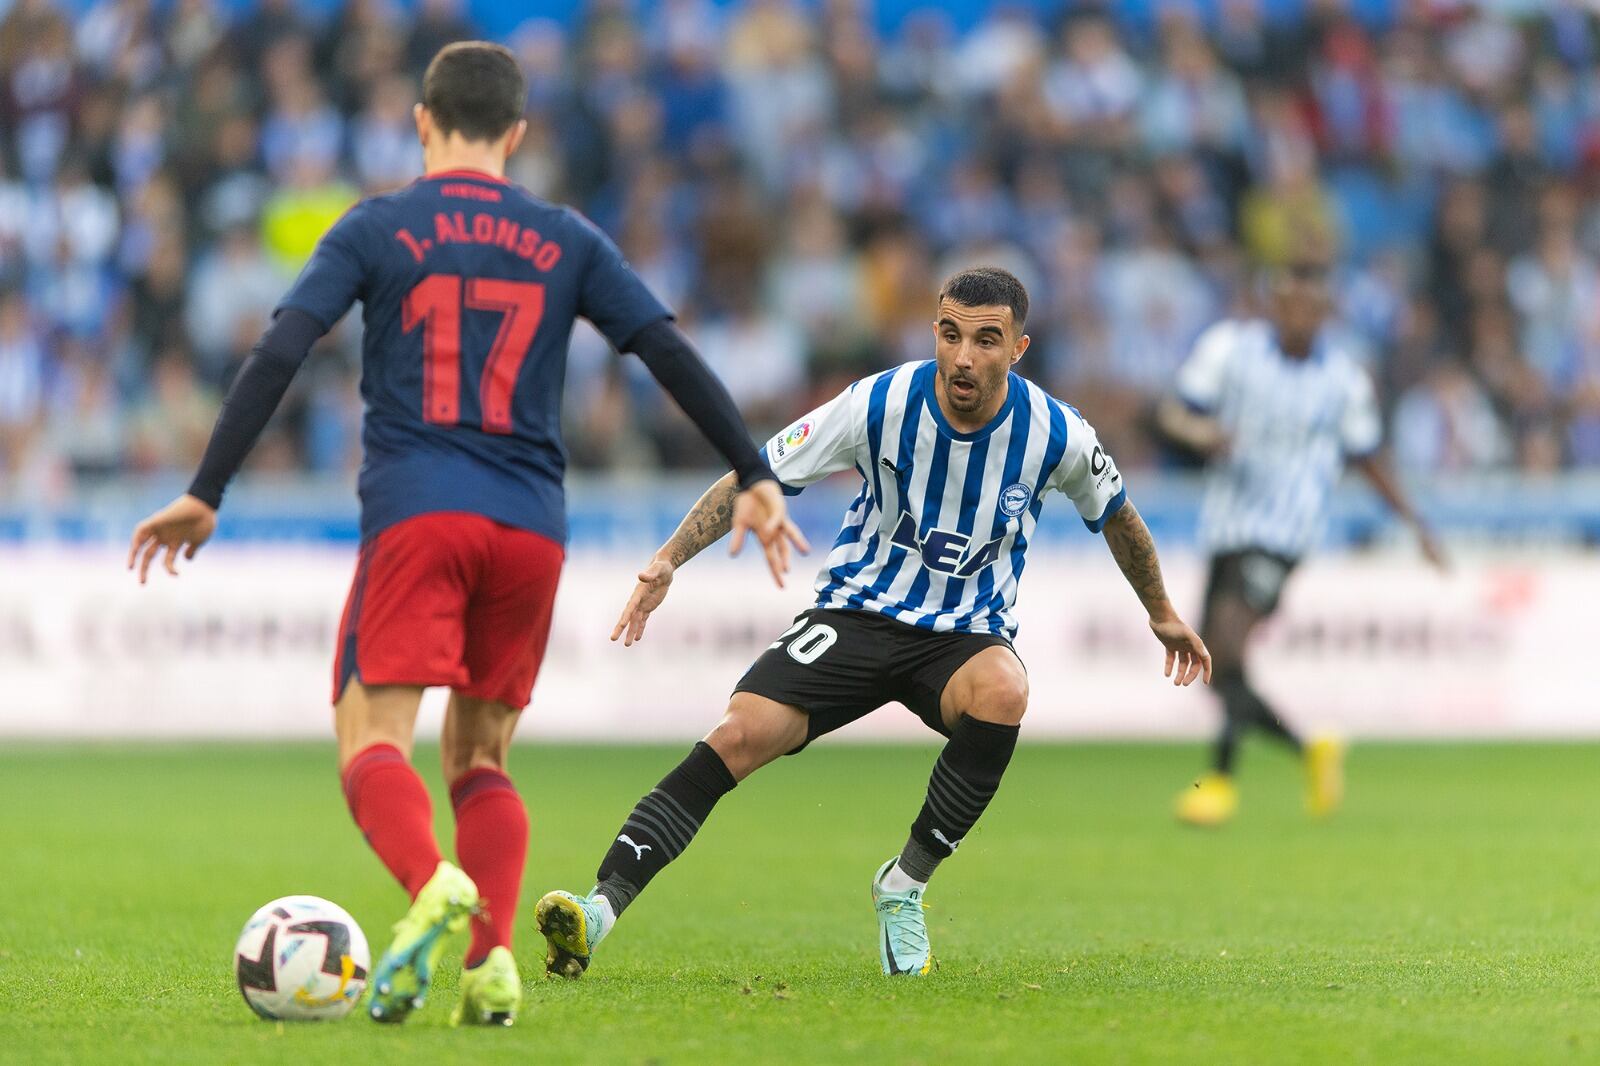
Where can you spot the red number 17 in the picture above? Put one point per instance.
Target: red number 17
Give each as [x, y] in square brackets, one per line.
[435, 303]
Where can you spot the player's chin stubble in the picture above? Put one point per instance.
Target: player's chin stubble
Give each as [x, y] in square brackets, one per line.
[975, 402]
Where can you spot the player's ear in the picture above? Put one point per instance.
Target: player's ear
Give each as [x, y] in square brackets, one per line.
[514, 138]
[424, 123]
[1022, 346]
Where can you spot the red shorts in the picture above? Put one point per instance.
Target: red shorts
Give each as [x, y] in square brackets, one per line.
[450, 598]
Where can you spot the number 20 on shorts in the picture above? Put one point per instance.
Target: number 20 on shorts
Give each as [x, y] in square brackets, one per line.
[808, 646]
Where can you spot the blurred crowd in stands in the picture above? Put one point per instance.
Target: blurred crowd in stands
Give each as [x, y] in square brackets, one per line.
[796, 184]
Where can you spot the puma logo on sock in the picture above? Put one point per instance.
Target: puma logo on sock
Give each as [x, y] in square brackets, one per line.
[640, 849]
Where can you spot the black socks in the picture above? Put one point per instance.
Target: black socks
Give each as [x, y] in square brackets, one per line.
[662, 824]
[1244, 709]
[964, 779]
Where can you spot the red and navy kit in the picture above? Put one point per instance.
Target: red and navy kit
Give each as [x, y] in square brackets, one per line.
[469, 288]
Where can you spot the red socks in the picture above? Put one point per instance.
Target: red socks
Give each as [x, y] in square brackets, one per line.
[390, 804]
[492, 844]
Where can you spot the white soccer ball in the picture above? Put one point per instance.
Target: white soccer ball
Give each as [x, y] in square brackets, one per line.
[301, 958]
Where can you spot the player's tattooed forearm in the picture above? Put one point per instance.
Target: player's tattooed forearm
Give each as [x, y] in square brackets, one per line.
[707, 522]
[1135, 552]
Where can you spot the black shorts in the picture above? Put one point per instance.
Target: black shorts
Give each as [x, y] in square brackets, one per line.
[1255, 576]
[840, 665]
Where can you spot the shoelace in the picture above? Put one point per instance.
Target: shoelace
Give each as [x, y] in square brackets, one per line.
[908, 935]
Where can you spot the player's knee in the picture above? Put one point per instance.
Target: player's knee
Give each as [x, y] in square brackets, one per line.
[457, 759]
[999, 696]
[476, 735]
[747, 740]
[366, 717]
[1004, 699]
[738, 743]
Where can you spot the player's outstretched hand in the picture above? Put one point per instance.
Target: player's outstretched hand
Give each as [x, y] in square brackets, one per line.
[1187, 657]
[182, 525]
[760, 509]
[654, 580]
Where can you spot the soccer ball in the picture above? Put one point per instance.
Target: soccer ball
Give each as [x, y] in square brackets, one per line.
[301, 958]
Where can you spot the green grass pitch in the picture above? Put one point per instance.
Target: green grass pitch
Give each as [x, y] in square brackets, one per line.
[1450, 914]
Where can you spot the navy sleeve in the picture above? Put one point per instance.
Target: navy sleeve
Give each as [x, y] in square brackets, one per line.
[254, 396]
[336, 276]
[612, 296]
[673, 362]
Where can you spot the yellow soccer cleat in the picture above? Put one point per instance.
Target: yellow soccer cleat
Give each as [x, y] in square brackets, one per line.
[1324, 758]
[1211, 801]
[441, 910]
[491, 992]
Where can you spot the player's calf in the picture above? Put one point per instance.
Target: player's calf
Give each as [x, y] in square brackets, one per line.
[965, 778]
[983, 704]
[656, 831]
[963, 781]
[491, 821]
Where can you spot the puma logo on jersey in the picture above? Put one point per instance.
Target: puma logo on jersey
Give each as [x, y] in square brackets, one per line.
[638, 849]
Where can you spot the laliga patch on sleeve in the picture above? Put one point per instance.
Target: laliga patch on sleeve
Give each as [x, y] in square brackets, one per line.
[791, 439]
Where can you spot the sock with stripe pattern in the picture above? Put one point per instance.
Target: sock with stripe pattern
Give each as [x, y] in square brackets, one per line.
[662, 824]
[963, 781]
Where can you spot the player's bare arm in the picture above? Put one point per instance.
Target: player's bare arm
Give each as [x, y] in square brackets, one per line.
[673, 361]
[1383, 482]
[721, 509]
[1135, 552]
[1200, 433]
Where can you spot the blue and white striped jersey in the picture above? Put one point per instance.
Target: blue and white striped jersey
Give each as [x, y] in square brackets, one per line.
[1292, 424]
[938, 534]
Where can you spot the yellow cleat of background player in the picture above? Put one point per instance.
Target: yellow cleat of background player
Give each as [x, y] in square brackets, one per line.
[1212, 800]
[1324, 759]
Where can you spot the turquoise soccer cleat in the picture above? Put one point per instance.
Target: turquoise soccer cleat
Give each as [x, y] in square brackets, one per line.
[443, 907]
[573, 927]
[903, 945]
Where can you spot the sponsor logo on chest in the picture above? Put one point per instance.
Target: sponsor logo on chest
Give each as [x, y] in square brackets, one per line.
[947, 551]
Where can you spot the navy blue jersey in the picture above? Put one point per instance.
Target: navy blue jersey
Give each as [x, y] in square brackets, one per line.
[469, 287]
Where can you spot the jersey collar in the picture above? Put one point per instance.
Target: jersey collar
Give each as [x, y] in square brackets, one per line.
[1317, 355]
[930, 400]
[466, 172]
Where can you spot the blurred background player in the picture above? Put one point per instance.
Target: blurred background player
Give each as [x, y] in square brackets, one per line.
[1278, 408]
[913, 605]
[469, 286]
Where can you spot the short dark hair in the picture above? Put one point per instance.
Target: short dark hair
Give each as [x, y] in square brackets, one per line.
[988, 286]
[474, 88]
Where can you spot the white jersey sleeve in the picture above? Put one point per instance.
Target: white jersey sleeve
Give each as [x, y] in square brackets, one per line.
[1361, 425]
[824, 442]
[1204, 374]
[1087, 474]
